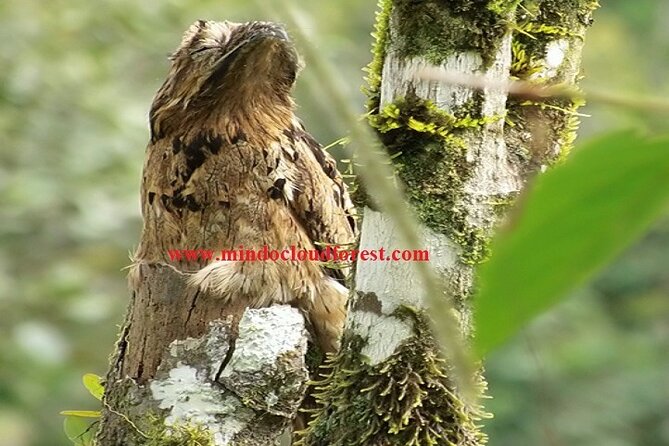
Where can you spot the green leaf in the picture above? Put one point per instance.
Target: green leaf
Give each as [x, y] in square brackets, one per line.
[575, 219]
[80, 431]
[82, 413]
[94, 385]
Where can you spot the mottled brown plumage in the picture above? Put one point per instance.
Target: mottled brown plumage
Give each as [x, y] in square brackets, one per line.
[229, 164]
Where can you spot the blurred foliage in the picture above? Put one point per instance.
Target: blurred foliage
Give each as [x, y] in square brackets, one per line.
[76, 82]
[570, 223]
[594, 371]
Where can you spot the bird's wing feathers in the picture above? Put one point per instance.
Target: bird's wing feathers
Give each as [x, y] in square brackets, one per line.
[319, 200]
[298, 169]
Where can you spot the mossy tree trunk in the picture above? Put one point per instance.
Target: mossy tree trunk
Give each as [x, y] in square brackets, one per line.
[547, 48]
[463, 155]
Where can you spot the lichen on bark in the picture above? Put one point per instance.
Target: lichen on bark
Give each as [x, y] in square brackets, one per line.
[430, 157]
[430, 145]
[238, 383]
[463, 155]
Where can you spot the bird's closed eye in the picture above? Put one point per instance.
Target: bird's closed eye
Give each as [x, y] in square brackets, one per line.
[199, 50]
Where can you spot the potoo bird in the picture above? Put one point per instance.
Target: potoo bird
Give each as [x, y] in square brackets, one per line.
[229, 165]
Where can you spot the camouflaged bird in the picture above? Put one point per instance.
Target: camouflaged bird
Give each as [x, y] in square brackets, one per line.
[229, 164]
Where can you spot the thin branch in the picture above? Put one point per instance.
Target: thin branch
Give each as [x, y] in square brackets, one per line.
[535, 92]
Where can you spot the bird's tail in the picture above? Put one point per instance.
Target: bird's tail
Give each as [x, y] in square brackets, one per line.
[327, 314]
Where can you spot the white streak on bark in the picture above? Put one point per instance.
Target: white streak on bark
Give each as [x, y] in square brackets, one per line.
[400, 76]
[493, 174]
[394, 283]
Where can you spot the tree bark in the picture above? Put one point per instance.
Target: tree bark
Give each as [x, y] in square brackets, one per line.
[189, 371]
[463, 156]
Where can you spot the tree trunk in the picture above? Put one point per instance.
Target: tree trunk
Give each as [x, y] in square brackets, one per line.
[463, 155]
[546, 51]
[188, 371]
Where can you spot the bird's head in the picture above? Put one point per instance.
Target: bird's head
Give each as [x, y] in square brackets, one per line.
[238, 71]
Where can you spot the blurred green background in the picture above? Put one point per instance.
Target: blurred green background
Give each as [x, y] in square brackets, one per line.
[76, 81]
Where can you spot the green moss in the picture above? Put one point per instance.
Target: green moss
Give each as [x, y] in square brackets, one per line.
[564, 14]
[503, 7]
[407, 400]
[184, 434]
[523, 64]
[375, 67]
[529, 46]
[437, 29]
[544, 20]
[569, 131]
[429, 154]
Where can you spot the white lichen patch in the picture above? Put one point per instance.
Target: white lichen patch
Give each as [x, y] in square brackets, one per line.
[396, 283]
[208, 351]
[216, 346]
[267, 369]
[554, 59]
[191, 399]
[384, 334]
[186, 344]
[556, 52]
[493, 173]
[265, 335]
